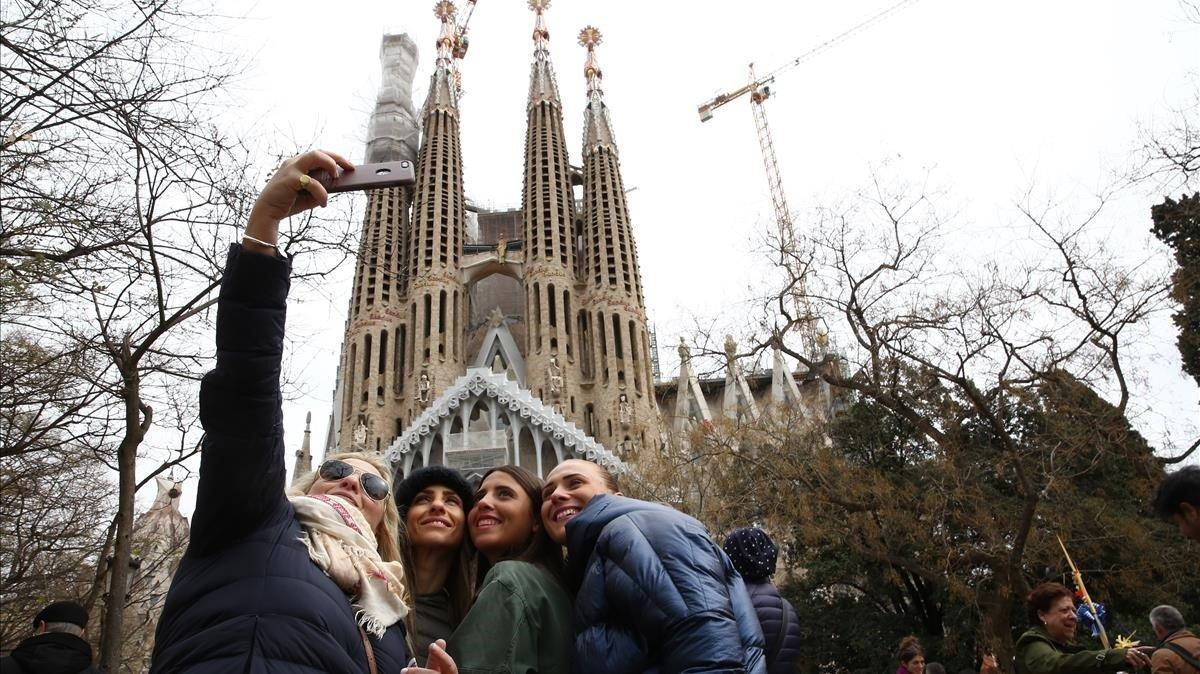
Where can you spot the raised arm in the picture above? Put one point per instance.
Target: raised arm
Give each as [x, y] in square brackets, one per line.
[242, 475]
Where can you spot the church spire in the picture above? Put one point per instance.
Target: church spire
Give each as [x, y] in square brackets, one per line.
[542, 86]
[547, 207]
[443, 87]
[304, 454]
[437, 297]
[597, 126]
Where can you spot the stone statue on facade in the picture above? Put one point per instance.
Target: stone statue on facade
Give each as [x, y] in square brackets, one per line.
[624, 409]
[502, 250]
[685, 352]
[554, 376]
[424, 388]
[360, 436]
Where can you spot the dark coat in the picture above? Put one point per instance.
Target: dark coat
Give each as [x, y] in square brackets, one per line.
[656, 594]
[49, 653]
[246, 597]
[780, 626]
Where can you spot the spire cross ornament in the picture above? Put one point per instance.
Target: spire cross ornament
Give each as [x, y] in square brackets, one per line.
[1087, 598]
[444, 10]
[541, 34]
[590, 37]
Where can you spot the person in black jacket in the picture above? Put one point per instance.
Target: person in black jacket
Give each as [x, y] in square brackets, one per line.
[653, 592]
[755, 556]
[270, 583]
[58, 645]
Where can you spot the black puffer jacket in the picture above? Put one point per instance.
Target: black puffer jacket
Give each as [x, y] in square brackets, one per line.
[50, 653]
[755, 556]
[780, 627]
[246, 597]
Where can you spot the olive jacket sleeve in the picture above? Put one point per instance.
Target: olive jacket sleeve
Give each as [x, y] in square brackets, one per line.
[1038, 654]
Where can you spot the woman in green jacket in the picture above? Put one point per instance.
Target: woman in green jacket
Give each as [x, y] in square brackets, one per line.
[520, 622]
[1049, 646]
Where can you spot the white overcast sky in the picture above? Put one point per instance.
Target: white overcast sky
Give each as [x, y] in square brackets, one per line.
[990, 98]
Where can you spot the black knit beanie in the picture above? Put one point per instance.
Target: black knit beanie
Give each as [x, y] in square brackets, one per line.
[753, 553]
[428, 476]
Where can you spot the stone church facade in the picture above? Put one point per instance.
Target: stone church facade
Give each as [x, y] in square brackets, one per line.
[476, 338]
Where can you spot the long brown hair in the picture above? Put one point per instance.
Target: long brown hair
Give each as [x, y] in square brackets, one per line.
[539, 549]
[460, 582]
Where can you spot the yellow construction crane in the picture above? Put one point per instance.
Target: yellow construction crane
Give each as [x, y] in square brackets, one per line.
[758, 89]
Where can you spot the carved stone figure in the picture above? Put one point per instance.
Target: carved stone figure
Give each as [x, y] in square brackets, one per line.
[554, 376]
[424, 388]
[685, 352]
[360, 436]
[624, 409]
[502, 250]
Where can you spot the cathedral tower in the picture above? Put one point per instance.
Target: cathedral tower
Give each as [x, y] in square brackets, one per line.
[547, 209]
[369, 383]
[436, 297]
[616, 356]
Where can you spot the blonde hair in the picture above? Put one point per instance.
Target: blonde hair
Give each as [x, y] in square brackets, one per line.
[387, 533]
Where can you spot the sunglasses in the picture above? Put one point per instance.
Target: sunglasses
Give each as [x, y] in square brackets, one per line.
[374, 486]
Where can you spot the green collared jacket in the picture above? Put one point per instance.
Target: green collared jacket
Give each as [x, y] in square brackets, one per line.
[520, 624]
[1037, 653]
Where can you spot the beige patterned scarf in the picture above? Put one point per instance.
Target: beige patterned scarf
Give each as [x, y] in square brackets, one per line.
[341, 543]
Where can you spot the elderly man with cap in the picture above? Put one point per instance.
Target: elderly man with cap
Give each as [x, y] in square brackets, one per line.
[755, 556]
[57, 645]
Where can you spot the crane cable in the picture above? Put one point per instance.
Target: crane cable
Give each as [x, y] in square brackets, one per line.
[835, 39]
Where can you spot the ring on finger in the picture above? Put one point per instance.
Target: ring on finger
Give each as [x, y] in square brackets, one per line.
[305, 181]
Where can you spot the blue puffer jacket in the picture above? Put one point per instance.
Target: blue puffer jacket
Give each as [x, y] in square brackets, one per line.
[780, 627]
[656, 594]
[246, 597]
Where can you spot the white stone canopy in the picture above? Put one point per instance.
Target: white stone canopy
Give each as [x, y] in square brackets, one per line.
[485, 419]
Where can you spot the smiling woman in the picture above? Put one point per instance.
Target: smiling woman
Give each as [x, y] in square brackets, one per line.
[1049, 646]
[433, 504]
[521, 619]
[309, 580]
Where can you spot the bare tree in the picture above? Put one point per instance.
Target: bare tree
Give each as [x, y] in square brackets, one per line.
[959, 354]
[122, 194]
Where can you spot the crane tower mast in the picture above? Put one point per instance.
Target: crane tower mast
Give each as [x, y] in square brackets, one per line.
[759, 91]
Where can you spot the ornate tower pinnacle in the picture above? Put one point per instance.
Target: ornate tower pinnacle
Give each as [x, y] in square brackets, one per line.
[541, 36]
[444, 10]
[615, 329]
[446, 82]
[547, 207]
[597, 127]
[590, 38]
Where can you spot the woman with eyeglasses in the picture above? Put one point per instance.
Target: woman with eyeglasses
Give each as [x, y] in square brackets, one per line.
[521, 618]
[304, 582]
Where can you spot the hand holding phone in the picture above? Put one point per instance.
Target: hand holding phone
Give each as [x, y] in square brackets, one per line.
[367, 177]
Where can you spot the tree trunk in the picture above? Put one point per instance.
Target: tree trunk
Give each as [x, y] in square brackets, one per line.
[137, 421]
[996, 624]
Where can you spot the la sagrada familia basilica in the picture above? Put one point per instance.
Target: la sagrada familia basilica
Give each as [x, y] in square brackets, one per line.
[477, 337]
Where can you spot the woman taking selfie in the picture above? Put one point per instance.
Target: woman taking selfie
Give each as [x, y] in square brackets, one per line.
[310, 582]
[521, 618]
[1049, 646]
[433, 502]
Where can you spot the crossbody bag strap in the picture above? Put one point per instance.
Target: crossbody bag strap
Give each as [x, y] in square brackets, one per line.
[370, 651]
[1181, 652]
